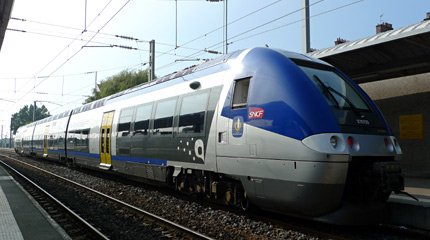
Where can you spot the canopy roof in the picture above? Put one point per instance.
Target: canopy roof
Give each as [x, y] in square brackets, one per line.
[395, 53]
[5, 11]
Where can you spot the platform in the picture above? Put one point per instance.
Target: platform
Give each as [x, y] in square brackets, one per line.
[405, 211]
[20, 215]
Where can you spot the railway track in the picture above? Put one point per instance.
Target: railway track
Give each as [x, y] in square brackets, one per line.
[236, 225]
[92, 215]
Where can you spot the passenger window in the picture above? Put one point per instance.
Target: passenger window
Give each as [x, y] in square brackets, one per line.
[85, 140]
[192, 115]
[143, 114]
[163, 120]
[240, 96]
[125, 122]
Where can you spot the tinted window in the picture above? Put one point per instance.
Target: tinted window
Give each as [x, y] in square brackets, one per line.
[337, 92]
[192, 115]
[143, 114]
[79, 140]
[125, 122]
[240, 97]
[163, 120]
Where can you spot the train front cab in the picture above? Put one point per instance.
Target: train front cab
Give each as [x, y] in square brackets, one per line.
[279, 139]
[365, 137]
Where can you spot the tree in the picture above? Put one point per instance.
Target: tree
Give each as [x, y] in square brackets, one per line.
[25, 116]
[119, 82]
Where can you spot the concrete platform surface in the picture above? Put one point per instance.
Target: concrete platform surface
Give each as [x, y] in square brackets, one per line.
[20, 215]
[405, 211]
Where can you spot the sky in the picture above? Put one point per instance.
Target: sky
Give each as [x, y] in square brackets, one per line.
[55, 50]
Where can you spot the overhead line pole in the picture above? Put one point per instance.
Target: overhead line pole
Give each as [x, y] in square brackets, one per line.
[34, 110]
[226, 24]
[151, 67]
[10, 134]
[306, 27]
[85, 27]
[95, 81]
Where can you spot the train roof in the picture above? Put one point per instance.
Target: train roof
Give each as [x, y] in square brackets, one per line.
[205, 66]
[156, 82]
[168, 80]
[179, 74]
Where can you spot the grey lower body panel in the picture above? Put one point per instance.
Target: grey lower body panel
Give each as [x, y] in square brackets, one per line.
[295, 198]
[141, 170]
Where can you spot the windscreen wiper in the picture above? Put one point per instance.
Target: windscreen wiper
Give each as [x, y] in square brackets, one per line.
[331, 90]
[327, 91]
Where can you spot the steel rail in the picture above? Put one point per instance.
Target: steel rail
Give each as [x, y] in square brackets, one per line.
[70, 211]
[146, 213]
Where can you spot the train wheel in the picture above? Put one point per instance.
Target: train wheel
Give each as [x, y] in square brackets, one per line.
[245, 205]
[228, 197]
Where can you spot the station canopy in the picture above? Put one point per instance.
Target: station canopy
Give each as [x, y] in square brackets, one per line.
[5, 10]
[396, 53]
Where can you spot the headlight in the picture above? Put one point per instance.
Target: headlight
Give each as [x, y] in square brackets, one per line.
[334, 141]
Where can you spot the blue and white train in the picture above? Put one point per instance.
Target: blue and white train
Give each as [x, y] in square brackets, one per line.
[276, 129]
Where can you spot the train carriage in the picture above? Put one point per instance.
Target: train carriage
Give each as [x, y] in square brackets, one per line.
[277, 129]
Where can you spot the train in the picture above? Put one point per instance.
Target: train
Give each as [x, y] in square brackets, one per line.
[257, 127]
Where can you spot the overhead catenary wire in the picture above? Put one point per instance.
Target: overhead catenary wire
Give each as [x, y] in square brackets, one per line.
[235, 38]
[219, 28]
[267, 23]
[67, 46]
[297, 21]
[103, 9]
[219, 44]
[121, 36]
[61, 65]
[229, 23]
[110, 35]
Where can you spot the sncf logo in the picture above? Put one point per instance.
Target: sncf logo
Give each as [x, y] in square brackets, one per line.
[255, 113]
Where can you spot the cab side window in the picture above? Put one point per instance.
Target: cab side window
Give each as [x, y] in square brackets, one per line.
[240, 95]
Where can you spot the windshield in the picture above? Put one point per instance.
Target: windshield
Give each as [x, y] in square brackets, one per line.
[351, 110]
[337, 92]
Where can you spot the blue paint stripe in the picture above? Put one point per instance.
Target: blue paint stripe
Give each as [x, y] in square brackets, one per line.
[83, 154]
[61, 151]
[50, 150]
[153, 161]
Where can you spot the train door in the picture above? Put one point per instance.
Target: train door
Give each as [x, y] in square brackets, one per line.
[45, 141]
[232, 133]
[105, 140]
[232, 143]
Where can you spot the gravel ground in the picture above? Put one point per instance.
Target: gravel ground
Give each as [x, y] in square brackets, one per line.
[213, 220]
[216, 223]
